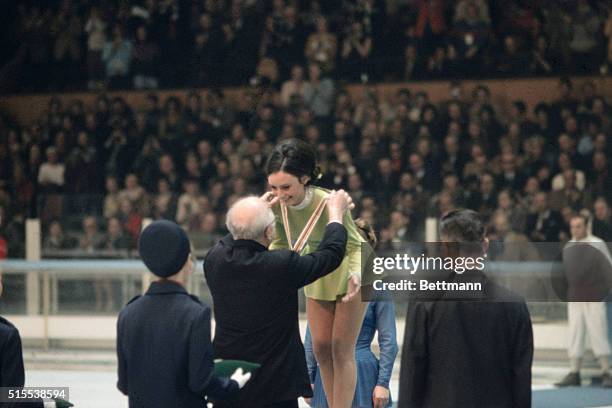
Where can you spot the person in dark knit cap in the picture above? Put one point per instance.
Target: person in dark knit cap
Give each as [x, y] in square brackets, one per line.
[164, 345]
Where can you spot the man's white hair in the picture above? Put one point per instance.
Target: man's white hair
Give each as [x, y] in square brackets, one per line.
[248, 218]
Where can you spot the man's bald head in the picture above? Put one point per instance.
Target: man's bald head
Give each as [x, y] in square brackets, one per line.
[248, 218]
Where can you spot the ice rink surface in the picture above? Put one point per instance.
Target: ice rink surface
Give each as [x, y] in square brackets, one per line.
[88, 389]
[97, 389]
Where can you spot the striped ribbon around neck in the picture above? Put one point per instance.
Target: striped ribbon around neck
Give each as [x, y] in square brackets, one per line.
[300, 243]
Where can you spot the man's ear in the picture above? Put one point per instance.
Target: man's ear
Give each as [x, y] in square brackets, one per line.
[269, 232]
[189, 265]
[304, 179]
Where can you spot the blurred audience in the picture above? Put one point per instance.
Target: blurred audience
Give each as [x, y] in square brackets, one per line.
[177, 44]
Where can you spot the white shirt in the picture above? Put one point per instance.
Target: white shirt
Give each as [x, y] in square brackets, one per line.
[596, 242]
[50, 173]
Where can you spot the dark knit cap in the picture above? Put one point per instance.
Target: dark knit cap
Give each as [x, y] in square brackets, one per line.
[164, 248]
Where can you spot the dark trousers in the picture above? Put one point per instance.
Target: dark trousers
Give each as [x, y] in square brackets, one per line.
[283, 404]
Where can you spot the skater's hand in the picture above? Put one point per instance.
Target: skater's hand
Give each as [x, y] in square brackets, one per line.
[337, 204]
[380, 396]
[269, 198]
[354, 285]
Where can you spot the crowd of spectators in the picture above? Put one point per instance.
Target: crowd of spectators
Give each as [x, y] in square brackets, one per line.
[93, 173]
[147, 44]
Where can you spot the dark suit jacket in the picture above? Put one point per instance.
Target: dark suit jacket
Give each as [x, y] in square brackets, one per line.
[587, 272]
[515, 184]
[164, 351]
[467, 353]
[551, 226]
[255, 295]
[12, 373]
[484, 205]
[11, 356]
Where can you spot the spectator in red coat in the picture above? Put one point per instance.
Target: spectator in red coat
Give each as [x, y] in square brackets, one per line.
[431, 24]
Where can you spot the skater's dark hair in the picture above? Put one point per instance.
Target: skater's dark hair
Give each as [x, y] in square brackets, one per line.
[295, 157]
[366, 231]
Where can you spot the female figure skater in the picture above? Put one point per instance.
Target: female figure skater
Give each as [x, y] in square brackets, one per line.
[334, 311]
[373, 376]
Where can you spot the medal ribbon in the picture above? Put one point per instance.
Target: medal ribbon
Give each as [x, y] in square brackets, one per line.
[308, 228]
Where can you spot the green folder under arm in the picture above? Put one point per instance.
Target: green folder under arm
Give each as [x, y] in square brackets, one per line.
[225, 368]
[60, 403]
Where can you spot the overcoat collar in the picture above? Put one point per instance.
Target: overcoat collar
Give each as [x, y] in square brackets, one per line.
[244, 243]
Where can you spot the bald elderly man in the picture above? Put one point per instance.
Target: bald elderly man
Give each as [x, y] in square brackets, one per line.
[255, 296]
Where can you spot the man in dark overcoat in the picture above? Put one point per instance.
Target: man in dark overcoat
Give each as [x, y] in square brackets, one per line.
[255, 296]
[471, 350]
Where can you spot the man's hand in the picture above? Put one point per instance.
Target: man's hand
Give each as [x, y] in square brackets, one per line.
[309, 400]
[380, 396]
[354, 285]
[240, 377]
[337, 203]
[269, 198]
